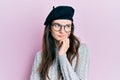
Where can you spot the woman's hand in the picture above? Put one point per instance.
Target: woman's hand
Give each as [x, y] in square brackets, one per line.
[64, 45]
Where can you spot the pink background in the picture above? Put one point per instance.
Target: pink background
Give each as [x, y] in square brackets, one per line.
[21, 28]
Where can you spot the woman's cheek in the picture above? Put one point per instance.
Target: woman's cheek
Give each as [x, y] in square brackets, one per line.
[68, 35]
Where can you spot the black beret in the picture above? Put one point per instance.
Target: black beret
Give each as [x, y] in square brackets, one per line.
[60, 12]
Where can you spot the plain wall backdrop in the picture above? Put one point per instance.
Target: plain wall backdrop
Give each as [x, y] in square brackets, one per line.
[97, 23]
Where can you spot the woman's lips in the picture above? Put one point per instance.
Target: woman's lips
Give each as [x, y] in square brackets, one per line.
[61, 36]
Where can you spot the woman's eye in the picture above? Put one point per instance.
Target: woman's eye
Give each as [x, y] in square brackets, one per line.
[57, 25]
[67, 26]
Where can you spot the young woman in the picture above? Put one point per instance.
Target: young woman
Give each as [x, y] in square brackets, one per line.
[62, 57]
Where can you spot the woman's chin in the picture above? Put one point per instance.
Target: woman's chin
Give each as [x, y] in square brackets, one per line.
[60, 39]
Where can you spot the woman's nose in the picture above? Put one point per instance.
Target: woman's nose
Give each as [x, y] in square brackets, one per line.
[62, 29]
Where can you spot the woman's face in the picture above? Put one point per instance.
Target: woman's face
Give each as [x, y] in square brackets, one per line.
[61, 29]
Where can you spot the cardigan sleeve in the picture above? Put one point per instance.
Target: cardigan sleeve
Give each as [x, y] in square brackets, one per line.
[35, 74]
[82, 68]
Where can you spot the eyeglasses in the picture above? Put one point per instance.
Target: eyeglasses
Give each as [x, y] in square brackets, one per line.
[58, 27]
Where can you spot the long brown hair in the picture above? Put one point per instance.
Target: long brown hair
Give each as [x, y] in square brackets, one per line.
[49, 55]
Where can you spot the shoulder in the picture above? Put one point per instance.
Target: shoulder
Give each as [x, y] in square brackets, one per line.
[83, 46]
[83, 50]
[38, 56]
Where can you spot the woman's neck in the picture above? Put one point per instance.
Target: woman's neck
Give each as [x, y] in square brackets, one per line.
[57, 44]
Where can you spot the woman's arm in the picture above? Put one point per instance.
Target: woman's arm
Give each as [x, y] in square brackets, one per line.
[82, 68]
[35, 74]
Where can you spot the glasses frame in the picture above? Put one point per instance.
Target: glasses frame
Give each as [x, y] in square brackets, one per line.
[53, 25]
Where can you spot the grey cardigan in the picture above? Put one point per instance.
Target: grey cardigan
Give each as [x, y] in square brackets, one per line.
[68, 71]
